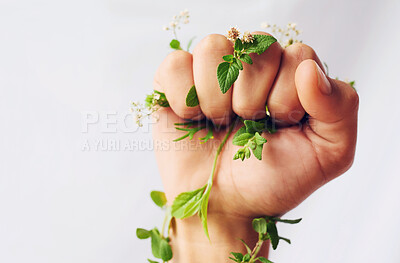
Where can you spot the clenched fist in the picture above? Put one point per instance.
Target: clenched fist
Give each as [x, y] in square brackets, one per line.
[298, 159]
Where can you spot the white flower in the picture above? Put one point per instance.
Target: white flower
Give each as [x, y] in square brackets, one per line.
[248, 37]
[233, 34]
[156, 96]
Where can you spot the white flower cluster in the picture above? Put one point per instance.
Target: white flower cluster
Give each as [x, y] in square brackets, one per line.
[234, 33]
[142, 111]
[287, 35]
[182, 18]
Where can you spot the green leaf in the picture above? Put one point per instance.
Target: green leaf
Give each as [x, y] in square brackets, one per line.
[242, 139]
[165, 250]
[246, 258]
[227, 74]
[155, 243]
[246, 246]
[287, 221]
[285, 239]
[260, 225]
[260, 44]
[228, 58]
[240, 131]
[204, 208]
[238, 256]
[247, 153]
[191, 131]
[143, 233]
[187, 204]
[175, 44]
[353, 84]
[273, 234]
[258, 152]
[188, 124]
[209, 135]
[238, 45]
[246, 58]
[264, 260]
[190, 44]
[259, 139]
[158, 198]
[191, 99]
[152, 261]
[265, 236]
[237, 63]
[254, 126]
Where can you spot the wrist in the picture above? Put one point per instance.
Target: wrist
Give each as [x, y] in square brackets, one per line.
[190, 243]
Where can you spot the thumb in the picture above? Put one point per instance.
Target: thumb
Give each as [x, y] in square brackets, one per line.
[332, 106]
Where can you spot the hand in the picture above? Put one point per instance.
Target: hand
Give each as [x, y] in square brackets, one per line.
[297, 160]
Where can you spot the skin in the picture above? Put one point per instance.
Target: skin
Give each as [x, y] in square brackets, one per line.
[297, 160]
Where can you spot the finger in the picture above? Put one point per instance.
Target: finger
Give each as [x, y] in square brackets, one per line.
[174, 77]
[283, 101]
[251, 90]
[333, 107]
[206, 57]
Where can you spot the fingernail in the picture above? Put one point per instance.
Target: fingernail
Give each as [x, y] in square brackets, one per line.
[323, 82]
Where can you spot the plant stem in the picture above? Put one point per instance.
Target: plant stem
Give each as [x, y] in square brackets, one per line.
[220, 147]
[255, 251]
[167, 219]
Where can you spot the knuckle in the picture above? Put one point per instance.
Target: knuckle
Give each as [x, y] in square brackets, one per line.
[248, 111]
[301, 52]
[287, 110]
[261, 33]
[213, 42]
[177, 59]
[354, 99]
[343, 157]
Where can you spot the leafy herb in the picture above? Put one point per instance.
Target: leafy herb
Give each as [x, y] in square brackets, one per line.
[157, 98]
[160, 246]
[158, 198]
[196, 201]
[143, 233]
[192, 127]
[188, 203]
[228, 71]
[249, 136]
[266, 229]
[175, 44]
[191, 99]
[227, 74]
[191, 131]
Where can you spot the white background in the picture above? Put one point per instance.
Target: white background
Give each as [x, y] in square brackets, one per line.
[61, 59]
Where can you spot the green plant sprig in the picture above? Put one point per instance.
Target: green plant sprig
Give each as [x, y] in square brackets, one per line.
[194, 202]
[267, 230]
[192, 127]
[160, 241]
[249, 136]
[228, 71]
